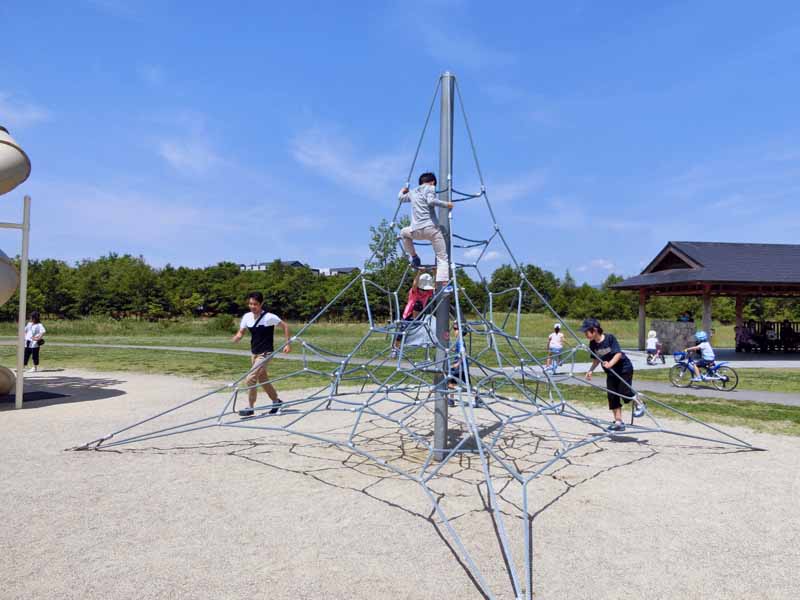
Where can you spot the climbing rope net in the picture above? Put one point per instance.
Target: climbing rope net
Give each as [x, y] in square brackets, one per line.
[513, 421]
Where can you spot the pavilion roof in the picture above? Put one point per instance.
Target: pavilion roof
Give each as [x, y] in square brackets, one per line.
[681, 264]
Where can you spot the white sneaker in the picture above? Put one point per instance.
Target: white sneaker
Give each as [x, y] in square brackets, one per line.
[638, 407]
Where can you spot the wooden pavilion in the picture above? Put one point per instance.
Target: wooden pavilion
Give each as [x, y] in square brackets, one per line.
[709, 269]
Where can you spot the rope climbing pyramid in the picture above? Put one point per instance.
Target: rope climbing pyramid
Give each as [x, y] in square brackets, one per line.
[441, 405]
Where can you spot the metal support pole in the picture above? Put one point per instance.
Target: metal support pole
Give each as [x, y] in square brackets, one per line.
[707, 310]
[443, 310]
[740, 301]
[642, 317]
[23, 301]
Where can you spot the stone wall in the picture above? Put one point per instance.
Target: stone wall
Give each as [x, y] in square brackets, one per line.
[673, 335]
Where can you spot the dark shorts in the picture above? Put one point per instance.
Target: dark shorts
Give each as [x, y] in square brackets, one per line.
[652, 351]
[703, 363]
[619, 385]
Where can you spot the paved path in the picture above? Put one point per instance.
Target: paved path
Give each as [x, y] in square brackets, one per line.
[707, 392]
[580, 368]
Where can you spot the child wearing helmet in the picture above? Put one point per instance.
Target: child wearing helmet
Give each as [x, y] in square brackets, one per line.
[425, 224]
[555, 344]
[707, 355]
[607, 353]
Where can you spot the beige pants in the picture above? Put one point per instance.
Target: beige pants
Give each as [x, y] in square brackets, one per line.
[259, 376]
[435, 237]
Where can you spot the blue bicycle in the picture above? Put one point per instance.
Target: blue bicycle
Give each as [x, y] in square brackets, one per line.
[720, 375]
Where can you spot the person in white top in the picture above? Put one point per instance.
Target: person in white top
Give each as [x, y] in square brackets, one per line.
[261, 325]
[34, 332]
[555, 344]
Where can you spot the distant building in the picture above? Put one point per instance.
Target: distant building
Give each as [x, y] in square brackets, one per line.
[262, 266]
[296, 264]
[331, 271]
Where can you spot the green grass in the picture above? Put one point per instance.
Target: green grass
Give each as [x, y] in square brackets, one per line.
[768, 418]
[213, 367]
[766, 380]
[339, 337]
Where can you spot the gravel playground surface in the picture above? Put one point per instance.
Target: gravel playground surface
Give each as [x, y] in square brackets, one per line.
[231, 513]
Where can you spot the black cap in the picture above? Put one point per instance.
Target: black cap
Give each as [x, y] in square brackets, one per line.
[590, 323]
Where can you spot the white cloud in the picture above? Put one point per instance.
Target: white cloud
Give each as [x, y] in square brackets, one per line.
[520, 187]
[460, 48]
[474, 253]
[597, 264]
[335, 157]
[568, 214]
[530, 107]
[189, 156]
[189, 149]
[18, 114]
[164, 226]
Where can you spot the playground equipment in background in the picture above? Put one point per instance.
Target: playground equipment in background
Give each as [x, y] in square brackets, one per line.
[7, 381]
[15, 166]
[9, 278]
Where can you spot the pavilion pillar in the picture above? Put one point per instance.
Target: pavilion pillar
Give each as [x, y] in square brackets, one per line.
[740, 301]
[707, 309]
[642, 318]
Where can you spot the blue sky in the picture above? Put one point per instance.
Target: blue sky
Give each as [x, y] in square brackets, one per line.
[197, 132]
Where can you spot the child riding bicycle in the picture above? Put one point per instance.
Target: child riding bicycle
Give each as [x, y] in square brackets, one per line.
[707, 355]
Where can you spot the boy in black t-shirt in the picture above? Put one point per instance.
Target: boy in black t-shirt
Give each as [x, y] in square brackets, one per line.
[619, 371]
[261, 325]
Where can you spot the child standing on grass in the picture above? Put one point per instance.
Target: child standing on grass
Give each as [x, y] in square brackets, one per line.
[425, 224]
[34, 332]
[261, 325]
[607, 353]
[555, 345]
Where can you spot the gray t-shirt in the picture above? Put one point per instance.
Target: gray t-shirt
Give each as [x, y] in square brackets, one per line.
[423, 200]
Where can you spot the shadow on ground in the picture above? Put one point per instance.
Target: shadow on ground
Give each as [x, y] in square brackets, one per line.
[44, 390]
[460, 489]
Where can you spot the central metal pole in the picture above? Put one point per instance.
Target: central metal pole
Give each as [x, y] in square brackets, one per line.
[23, 299]
[443, 310]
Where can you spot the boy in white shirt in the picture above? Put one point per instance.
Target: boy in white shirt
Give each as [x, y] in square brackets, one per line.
[555, 344]
[707, 355]
[425, 224]
[261, 325]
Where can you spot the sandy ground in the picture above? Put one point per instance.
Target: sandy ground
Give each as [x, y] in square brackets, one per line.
[231, 513]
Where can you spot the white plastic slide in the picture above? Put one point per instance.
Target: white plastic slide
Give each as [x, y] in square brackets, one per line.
[15, 166]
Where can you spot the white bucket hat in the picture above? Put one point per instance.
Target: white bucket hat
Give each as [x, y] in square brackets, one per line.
[425, 282]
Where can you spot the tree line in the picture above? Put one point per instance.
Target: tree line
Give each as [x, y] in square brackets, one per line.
[125, 286]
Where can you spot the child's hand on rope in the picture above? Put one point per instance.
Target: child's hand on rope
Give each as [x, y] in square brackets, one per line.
[588, 375]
